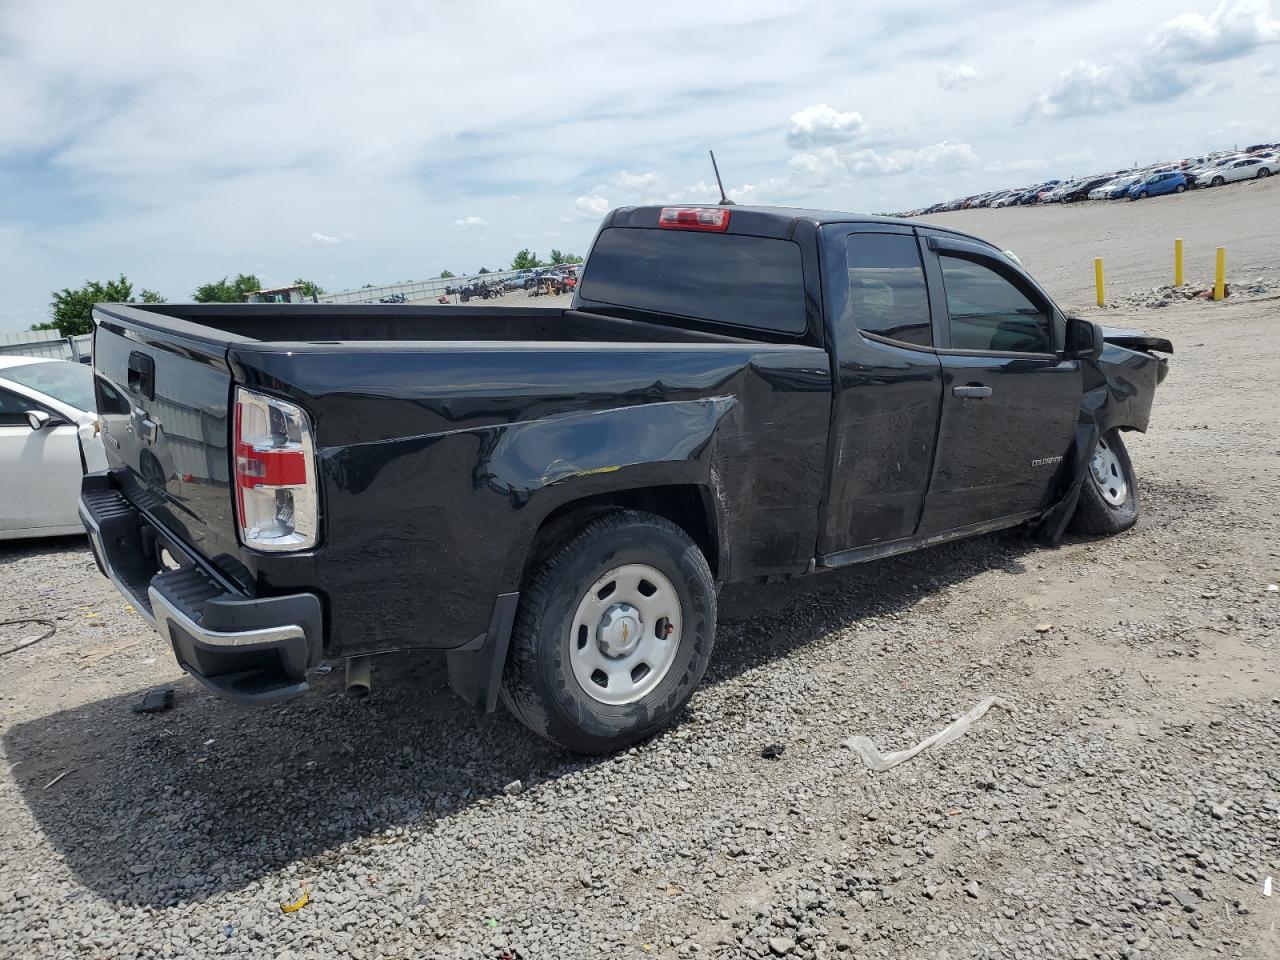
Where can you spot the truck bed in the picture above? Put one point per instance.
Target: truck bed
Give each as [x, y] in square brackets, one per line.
[348, 323]
[444, 432]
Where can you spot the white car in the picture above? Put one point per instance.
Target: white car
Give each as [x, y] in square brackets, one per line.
[49, 437]
[1202, 175]
[1104, 192]
[1245, 169]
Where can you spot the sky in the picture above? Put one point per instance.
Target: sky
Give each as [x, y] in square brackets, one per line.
[386, 141]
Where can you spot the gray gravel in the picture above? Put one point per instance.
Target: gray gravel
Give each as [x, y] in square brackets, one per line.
[1128, 808]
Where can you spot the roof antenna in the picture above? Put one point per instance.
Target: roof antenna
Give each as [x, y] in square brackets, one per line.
[724, 200]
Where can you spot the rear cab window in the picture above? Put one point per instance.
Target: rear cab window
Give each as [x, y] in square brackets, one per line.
[720, 278]
[888, 297]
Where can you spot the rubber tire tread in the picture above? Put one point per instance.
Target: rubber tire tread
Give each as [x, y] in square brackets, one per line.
[1094, 516]
[538, 695]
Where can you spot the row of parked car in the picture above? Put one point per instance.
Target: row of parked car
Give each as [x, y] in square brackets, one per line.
[562, 277]
[1213, 170]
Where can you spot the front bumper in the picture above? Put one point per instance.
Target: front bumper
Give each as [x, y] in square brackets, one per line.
[251, 650]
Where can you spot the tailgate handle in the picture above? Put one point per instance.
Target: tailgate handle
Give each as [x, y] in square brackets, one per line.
[142, 375]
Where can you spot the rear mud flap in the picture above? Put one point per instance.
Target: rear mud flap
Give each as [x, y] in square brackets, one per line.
[475, 670]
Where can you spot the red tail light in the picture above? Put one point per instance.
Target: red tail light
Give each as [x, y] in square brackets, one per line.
[709, 219]
[276, 502]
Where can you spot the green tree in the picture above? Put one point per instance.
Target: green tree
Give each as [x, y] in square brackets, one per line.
[557, 258]
[150, 296]
[525, 260]
[482, 270]
[446, 274]
[220, 291]
[310, 288]
[73, 309]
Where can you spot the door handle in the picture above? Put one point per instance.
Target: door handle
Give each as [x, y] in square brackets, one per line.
[973, 391]
[142, 375]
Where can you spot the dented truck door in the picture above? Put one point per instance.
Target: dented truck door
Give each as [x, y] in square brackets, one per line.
[888, 385]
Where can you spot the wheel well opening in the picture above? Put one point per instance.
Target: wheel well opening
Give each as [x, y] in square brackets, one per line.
[684, 505]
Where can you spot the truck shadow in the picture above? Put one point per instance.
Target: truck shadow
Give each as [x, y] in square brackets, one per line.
[208, 797]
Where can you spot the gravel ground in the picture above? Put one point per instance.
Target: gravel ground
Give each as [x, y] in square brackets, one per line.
[1129, 807]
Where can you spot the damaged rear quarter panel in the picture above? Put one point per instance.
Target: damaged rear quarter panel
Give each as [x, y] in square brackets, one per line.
[438, 466]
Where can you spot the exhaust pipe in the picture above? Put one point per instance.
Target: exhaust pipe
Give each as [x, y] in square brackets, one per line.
[359, 681]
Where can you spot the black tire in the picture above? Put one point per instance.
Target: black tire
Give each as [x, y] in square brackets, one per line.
[1263, 172]
[1096, 513]
[538, 683]
[1179, 189]
[1216, 182]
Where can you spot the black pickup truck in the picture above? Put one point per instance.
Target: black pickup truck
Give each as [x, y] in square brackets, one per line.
[555, 496]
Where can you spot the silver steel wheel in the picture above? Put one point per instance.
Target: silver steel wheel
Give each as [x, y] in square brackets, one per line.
[625, 634]
[1108, 474]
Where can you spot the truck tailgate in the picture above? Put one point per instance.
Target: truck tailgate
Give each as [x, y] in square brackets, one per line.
[164, 398]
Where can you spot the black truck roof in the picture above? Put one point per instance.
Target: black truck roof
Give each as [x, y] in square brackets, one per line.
[772, 221]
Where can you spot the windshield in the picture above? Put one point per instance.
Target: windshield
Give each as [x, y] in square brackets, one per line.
[72, 383]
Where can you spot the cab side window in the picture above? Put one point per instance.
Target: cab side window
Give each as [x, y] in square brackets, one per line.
[988, 313]
[888, 297]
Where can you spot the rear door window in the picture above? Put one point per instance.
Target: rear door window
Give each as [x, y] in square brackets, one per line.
[887, 292]
[988, 313]
[723, 278]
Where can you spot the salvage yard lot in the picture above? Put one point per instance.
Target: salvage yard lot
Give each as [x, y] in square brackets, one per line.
[1129, 806]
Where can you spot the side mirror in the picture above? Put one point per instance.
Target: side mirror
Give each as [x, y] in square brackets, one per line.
[38, 419]
[1084, 339]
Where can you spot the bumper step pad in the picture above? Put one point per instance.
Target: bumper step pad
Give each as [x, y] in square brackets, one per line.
[250, 650]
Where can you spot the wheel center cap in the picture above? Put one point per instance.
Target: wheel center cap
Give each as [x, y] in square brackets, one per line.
[619, 632]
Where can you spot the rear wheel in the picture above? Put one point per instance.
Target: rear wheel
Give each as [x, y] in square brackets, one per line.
[1109, 493]
[613, 634]
[1263, 172]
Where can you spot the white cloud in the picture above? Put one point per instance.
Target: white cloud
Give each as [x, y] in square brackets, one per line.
[1015, 166]
[470, 223]
[1163, 68]
[1233, 29]
[634, 181]
[962, 76]
[828, 164]
[591, 207]
[1084, 87]
[85, 193]
[821, 125]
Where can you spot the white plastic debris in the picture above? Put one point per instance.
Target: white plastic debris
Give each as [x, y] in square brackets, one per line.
[880, 762]
[1266, 887]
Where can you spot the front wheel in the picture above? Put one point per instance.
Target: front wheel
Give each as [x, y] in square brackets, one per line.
[1109, 493]
[1263, 172]
[1179, 188]
[613, 633]
[1217, 182]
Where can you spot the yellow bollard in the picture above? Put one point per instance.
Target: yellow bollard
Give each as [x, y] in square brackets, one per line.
[1177, 262]
[1097, 279]
[1220, 275]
